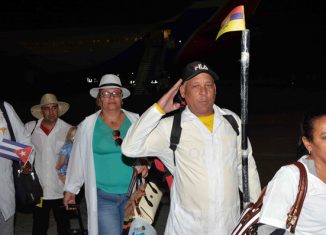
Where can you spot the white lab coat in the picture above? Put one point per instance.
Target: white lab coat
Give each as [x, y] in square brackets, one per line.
[81, 167]
[7, 190]
[207, 174]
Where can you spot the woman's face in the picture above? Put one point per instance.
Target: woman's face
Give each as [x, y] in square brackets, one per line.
[317, 146]
[110, 99]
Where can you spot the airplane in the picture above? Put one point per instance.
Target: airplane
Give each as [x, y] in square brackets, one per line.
[144, 55]
[188, 36]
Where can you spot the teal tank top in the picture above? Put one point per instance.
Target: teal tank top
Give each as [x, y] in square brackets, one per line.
[113, 170]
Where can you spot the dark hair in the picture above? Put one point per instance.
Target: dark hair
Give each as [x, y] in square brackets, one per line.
[307, 127]
[98, 101]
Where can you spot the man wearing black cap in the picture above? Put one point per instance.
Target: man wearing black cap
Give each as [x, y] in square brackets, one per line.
[207, 167]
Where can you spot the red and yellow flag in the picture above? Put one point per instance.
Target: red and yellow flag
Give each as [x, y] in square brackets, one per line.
[235, 21]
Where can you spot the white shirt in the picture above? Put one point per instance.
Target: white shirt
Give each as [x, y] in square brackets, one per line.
[207, 174]
[7, 190]
[280, 196]
[47, 149]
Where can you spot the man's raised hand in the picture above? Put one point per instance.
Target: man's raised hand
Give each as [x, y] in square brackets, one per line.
[167, 100]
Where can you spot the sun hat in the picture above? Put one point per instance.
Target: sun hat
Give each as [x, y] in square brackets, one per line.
[109, 81]
[49, 99]
[194, 68]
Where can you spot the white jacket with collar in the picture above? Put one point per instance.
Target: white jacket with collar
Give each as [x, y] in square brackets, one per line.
[81, 168]
[7, 190]
[47, 148]
[207, 175]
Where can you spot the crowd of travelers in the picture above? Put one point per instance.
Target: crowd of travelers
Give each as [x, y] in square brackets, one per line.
[101, 154]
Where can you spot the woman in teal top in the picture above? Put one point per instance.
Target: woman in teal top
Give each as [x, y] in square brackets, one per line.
[113, 171]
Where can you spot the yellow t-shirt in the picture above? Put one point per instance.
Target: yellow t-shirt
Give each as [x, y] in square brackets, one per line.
[208, 121]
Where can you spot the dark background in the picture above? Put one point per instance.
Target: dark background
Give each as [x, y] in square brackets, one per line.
[286, 77]
[287, 47]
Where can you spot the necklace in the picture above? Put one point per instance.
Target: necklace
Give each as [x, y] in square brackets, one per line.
[114, 124]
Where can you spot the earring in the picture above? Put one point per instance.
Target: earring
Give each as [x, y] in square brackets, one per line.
[309, 152]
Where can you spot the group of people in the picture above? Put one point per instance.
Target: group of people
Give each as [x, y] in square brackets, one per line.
[206, 166]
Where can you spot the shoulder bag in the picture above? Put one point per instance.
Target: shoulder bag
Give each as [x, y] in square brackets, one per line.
[143, 201]
[27, 186]
[28, 189]
[248, 223]
[148, 204]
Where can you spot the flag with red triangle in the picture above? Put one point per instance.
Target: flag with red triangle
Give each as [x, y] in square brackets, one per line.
[14, 150]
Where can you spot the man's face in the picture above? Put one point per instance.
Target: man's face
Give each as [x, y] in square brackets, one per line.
[199, 93]
[50, 112]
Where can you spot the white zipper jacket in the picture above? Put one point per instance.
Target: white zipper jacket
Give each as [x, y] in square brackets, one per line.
[81, 168]
[207, 174]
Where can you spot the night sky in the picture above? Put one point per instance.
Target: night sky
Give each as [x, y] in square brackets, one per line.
[287, 42]
[48, 14]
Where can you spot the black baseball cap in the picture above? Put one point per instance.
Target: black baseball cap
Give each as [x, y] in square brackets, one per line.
[194, 68]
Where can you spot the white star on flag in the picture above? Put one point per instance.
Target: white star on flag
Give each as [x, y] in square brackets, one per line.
[14, 150]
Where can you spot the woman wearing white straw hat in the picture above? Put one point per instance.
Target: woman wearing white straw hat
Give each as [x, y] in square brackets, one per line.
[48, 135]
[96, 159]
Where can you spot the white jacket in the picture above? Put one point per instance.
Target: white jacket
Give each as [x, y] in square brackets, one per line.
[207, 174]
[7, 190]
[47, 148]
[81, 167]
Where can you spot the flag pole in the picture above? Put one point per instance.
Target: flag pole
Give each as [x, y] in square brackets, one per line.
[244, 113]
[235, 21]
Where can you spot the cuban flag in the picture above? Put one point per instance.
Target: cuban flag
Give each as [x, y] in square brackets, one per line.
[14, 150]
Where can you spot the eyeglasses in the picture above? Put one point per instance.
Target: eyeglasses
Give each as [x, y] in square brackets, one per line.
[106, 94]
[116, 137]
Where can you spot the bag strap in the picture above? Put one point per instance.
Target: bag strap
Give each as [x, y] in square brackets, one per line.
[11, 132]
[295, 210]
[231, 119]
[34, 127]
[175, 132]
[176, 129]
[250, 214]
[5, 114]
[294, 213]
[233, 122]
[259, 201]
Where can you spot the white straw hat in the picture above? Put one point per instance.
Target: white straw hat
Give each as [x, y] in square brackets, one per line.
[110, 81]
[49, 99]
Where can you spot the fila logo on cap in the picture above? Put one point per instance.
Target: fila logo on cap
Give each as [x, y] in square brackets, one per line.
[194, 68]
[200, 67]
